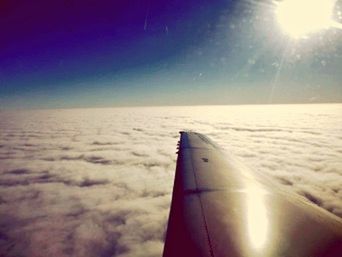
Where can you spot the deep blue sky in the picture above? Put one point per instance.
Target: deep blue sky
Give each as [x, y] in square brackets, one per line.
[157, 52]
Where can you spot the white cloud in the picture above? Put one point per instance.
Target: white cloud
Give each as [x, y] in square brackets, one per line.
[98, 182]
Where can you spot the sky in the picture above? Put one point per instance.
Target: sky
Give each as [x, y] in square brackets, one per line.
[61, 54]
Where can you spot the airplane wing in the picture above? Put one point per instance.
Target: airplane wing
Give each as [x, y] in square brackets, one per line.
[220, 208]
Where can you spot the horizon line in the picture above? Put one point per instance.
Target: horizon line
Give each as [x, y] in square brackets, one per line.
[156, 106]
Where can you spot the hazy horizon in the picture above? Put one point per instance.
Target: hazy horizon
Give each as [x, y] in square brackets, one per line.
[161, 106]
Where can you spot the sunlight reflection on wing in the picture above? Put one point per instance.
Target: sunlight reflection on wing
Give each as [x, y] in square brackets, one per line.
[257, 221]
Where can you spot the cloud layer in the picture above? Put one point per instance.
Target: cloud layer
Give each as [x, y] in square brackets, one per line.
[98, 182]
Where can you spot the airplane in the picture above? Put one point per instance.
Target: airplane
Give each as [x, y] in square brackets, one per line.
[220, 208]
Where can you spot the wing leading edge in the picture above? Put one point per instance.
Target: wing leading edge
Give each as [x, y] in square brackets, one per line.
[220, 208]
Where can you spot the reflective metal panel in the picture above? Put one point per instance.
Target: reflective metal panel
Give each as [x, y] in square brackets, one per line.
[220, 208]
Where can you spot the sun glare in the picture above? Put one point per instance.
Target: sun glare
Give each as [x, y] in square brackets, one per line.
[298, 18]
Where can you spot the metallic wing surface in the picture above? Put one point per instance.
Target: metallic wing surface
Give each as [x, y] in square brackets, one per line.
[220, 208]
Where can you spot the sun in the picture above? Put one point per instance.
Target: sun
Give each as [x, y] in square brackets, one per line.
[298, 18]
